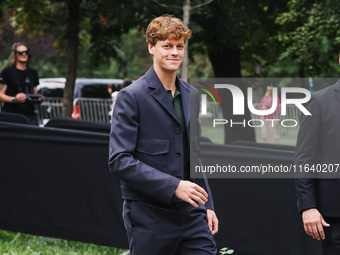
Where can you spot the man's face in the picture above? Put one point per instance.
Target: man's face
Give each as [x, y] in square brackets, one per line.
[168, 54]
[22, 54]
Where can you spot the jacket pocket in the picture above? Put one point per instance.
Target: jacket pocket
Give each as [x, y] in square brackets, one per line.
[153, 147]
[153, 152]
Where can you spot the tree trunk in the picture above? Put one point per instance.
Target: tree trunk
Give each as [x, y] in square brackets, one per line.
[186, 21]
[226, 63]
[72, 38]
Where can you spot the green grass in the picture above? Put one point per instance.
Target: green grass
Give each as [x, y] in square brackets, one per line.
[12, 243]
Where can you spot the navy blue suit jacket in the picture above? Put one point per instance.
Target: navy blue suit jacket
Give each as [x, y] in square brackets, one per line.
[319, 143]
[146, 140]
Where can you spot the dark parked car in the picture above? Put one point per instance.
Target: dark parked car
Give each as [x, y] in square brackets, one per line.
[90, 88]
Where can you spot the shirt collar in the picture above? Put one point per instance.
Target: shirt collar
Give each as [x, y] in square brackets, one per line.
[177, 91]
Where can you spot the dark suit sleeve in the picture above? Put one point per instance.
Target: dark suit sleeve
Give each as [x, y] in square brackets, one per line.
[123, 141]
[306, 152]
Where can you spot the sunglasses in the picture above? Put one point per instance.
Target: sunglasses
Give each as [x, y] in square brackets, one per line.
[21, 52]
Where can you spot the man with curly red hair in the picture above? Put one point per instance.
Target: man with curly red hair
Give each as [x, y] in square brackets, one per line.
[165, 211]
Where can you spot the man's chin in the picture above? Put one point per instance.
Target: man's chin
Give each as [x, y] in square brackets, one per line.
[173, 68]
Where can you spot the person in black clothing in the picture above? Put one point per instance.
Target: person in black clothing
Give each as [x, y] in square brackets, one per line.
[17, 81]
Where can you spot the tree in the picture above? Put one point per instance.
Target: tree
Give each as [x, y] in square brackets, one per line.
[72, 38]
[230, 33]
[310, 35]
[101, 23]
[42, 16]
[225, 29]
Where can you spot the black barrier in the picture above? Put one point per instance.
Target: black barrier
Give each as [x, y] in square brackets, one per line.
[68, 123]
[57, 183]
[14, 118]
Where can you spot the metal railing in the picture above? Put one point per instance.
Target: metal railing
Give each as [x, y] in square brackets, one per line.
[50, 108]
[94, 109]
[90, 109]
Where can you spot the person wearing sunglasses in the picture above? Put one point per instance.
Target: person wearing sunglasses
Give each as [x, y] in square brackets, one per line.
[17, 82]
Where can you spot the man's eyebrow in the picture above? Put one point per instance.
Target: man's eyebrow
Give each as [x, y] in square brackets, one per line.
[170, 43]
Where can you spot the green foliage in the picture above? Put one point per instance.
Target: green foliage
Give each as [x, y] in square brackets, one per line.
[34, 17]
[51, 66]
[310, 34]
[106, 48]
[132, 59]
[111, 20]
[200, 66]
[275, 38]
[103, 22]
[246, 26]
[24, 244]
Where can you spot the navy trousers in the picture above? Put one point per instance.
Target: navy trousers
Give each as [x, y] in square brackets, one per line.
[331, 244]
[161, 229]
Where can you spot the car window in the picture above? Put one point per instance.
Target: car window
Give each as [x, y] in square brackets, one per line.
[51, 92]
[89, 88]
[95, 91]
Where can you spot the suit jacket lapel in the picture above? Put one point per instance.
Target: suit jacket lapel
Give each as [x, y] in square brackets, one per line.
[159, 92]
[185, 96]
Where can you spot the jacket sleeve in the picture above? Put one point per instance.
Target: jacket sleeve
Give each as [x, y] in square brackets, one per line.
[306, 152]
[123, 141]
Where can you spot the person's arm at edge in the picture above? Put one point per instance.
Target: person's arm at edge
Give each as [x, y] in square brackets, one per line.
[306, 152]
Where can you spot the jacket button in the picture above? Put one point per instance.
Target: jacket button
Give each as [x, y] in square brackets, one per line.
[178, 154]
[177, 130]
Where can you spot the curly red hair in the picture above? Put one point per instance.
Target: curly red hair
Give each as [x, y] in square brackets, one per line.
[166, 27]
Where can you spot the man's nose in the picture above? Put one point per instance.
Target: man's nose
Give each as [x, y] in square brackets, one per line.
[174, 51]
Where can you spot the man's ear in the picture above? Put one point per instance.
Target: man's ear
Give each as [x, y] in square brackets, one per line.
[151, 48]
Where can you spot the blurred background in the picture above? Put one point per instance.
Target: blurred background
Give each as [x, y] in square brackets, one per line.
[103, 41]
[298, 38]
[238, 39]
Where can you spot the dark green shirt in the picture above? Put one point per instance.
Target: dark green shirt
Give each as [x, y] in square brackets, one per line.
[177, 103]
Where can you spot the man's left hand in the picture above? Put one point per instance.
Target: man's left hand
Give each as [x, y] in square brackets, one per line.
[212, 221]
